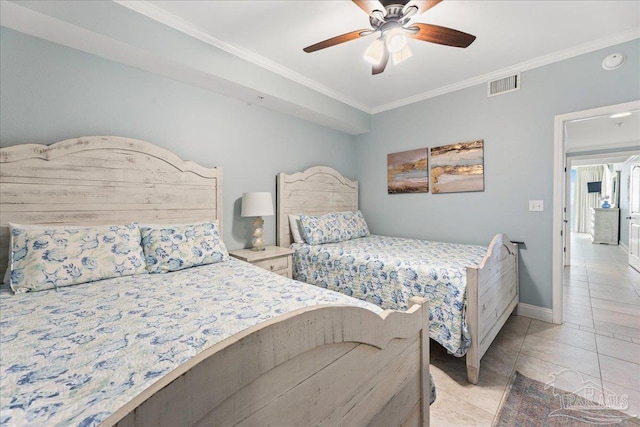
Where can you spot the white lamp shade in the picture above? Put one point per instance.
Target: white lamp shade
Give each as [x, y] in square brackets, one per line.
[257, 204]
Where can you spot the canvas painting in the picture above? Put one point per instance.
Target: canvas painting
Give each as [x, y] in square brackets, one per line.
[408, 172]
[458, 167]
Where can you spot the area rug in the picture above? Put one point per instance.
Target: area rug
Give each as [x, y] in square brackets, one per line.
[532, 403]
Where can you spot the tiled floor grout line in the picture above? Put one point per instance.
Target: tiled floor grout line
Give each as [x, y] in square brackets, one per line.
[512, 374]
[597, 348]
[582, 260]
[590, 276]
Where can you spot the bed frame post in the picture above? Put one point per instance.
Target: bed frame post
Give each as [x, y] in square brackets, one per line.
[425, 384]
[492, 295]
[473, 354]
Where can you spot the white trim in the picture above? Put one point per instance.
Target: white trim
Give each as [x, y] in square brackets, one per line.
[624, 247]
[169, 19]
[534, 312]
[557, 260]
[624, 146]
[518, 68]
[559, 160]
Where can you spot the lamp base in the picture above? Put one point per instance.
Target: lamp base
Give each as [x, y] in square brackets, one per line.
[258, 243]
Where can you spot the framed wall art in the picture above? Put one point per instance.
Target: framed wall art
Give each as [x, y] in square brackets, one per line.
[408, 172]
[458, 167]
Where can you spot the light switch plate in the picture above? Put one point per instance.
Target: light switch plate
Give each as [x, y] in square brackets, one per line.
[536, 206]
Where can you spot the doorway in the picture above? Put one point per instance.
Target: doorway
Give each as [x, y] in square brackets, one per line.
[562, 148]
[608, 169]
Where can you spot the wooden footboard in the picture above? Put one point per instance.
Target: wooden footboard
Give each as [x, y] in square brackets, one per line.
[330, 365]
[492, 295]
[492, 288]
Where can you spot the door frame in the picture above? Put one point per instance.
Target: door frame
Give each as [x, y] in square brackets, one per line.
[559, 197]
[634, 163]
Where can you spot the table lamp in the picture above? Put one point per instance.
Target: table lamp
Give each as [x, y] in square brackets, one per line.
[257, 204]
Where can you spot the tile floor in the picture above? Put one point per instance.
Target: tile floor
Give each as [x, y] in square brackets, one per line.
[599, 342]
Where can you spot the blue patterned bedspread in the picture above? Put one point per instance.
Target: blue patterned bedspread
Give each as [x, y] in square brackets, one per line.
[387, 271]
[75, 356]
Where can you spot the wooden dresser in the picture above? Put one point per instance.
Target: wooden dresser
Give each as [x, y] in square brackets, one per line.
[605, 225]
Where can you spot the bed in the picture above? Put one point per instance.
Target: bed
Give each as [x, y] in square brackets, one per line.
[472, 289]
[153, 349]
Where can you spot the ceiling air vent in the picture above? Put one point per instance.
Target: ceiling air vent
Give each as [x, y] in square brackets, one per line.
[503, 85]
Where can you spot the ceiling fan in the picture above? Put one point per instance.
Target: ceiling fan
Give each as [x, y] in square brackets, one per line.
[391, 18]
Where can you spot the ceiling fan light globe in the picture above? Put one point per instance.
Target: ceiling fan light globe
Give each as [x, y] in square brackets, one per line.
[398, 57]
[374, 52]
[396, 40]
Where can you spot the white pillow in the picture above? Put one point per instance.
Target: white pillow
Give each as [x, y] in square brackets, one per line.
[294, 224]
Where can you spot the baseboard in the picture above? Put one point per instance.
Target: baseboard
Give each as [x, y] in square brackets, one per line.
[624, 247]
[535, 312]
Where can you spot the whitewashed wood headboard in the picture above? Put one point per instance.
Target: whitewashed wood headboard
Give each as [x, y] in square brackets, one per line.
[315, 191]
[102, 180]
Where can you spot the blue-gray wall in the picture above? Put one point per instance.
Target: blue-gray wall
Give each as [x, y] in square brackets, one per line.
[518, 133]
[50, 93]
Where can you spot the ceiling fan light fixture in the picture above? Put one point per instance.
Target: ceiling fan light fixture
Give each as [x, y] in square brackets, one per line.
[396, 40]
[398, 57]
[374, 52]
[409, 12]
[378, 14]
[393, 25]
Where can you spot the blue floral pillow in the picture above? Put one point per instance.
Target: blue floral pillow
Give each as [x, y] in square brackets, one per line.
[174, 247]
[333, 227]
[355, 224]
[47, 257]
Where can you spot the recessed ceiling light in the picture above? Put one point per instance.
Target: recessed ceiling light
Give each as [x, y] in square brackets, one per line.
[613, 61]
[618, 115]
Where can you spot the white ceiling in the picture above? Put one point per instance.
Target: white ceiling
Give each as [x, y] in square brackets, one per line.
[604, 131]
[511, 36]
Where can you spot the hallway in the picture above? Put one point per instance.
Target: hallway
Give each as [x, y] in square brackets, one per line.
[602, 297]
[601, 291]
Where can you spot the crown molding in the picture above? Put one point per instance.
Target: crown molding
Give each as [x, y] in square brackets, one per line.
[147, 9]
[167, 18]
[523, 66]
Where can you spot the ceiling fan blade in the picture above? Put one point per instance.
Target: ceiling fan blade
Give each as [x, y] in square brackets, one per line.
[337, 40]
[377, 69]
[441, 35]
[423, 5]
[368, 5]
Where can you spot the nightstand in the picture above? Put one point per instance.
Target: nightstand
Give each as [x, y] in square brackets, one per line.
[273, 258]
